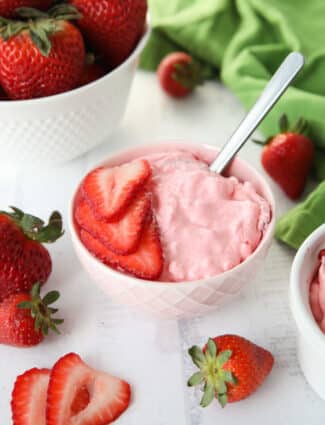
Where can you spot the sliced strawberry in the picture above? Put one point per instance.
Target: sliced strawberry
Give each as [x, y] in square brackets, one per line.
[28, 401]
[146, 262]
[109, 396]
[121, 236]
[110, 190]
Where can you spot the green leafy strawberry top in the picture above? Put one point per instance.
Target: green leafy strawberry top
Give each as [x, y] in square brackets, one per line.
[40, 25]
[301, 126]
[188, 74]
[41, 311]
[212, 374]
[34, 228]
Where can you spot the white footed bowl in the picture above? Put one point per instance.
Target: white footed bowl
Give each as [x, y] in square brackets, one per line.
[184, 299]
[54, 129]
[310, 338]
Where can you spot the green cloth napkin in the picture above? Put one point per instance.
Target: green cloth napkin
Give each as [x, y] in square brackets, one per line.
[294, 227]
[245, 40]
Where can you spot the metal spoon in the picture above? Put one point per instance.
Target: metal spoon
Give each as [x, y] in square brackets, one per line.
[271, 94]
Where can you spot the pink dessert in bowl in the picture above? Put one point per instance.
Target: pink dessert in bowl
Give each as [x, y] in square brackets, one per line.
[307, 307]
[317, 292]
[209, 232]
[208, 224]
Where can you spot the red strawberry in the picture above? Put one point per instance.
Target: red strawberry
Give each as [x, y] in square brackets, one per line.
[231, 368]
[288, 157]
[146, 262]
[29, 398]
[25, 319]
[41, 56]
[121, 236]
[23, 258]
[8, 7]
[29, 395]
[92, 71]
[109, 191]
[3, 95]
[109, 396]
[113, 27]
[178, 74]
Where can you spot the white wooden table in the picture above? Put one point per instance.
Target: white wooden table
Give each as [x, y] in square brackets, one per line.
[152, 355]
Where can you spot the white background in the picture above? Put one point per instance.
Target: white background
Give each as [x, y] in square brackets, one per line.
[151, 355]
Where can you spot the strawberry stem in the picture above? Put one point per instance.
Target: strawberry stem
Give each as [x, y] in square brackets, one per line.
[40, 310]
[211, 373]
[284, 123]
[300, 126]
[258, 142]
[40, 25]
[188, 74]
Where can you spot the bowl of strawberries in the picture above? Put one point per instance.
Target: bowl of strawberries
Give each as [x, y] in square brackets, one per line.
[66, 69]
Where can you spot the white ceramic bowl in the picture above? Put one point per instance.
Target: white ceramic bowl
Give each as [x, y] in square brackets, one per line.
[310, 339]
[58, 128]
[184, 299]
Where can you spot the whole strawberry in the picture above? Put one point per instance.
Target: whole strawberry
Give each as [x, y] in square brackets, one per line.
[231, 368]
[288, 157]
[41, 55]
[26, 318]
[8, 7]
[112, 27]
[92, 71]
[178, 74]
[23, 258]
[3, 95]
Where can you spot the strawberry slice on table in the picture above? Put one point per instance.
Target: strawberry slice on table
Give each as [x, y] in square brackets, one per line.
[29, 398]
[28, 402]
[109, 191]
[146, 262]
[121, 236]
[231, 368]
[288, 157]
[109, 396]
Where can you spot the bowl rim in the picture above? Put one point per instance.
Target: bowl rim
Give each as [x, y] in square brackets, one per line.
[79, 90]
[163, 284]
[303, 316]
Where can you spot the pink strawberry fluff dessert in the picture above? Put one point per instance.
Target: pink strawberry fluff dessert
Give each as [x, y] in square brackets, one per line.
[317, 293]
[208, 223]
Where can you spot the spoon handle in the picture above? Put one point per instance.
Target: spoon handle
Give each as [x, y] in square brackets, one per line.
[271, 94]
